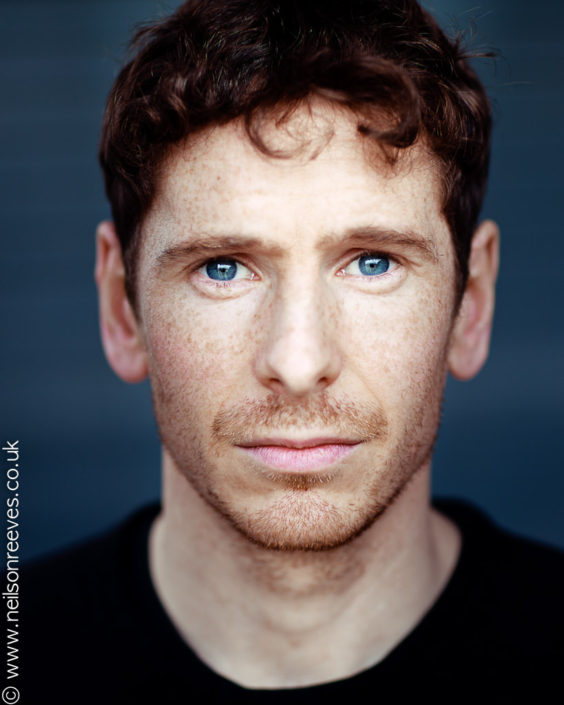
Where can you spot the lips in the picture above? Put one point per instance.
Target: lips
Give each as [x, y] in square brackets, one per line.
[299, 455]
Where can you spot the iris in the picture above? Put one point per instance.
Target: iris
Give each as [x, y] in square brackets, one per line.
[222, 269]
[372, 265]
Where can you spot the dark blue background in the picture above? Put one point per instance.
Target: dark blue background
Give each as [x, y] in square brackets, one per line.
[89, 447]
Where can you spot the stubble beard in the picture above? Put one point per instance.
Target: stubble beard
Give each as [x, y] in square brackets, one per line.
[302, 518]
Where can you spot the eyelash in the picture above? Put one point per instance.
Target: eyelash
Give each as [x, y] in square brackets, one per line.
[394, 261]
[225, 283]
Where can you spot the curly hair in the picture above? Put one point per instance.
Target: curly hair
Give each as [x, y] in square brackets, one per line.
[214, 61]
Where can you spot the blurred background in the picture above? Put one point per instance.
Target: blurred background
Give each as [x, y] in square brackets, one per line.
[89, 450]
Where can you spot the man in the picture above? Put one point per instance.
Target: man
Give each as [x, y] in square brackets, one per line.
[296, 263]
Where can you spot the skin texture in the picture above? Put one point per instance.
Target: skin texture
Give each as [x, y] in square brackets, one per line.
[302, 346]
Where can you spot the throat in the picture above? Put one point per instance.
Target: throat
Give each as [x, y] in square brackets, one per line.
[299, 575]
[277, 619]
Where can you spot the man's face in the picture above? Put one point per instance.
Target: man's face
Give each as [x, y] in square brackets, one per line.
[296, 315]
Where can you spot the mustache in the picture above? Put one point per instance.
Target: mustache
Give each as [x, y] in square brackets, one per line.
[343, 417]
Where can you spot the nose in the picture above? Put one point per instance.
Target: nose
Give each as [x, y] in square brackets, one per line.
[299, 355]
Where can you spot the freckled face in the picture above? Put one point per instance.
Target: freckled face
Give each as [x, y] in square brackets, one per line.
[296, 315]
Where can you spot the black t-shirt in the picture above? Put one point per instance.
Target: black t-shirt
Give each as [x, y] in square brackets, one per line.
[92, 630]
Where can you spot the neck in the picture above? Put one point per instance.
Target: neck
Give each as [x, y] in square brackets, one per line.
[271, 619]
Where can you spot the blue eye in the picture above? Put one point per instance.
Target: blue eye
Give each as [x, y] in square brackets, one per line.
[370, 265]
[223, 269]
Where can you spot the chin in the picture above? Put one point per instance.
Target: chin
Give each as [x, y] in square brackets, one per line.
[302, 520]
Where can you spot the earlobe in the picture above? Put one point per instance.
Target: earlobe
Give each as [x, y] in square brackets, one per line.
[121, 335]
[470, 338]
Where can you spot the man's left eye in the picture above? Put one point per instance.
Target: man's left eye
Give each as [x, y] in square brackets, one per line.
[370, 265]
[223, 269]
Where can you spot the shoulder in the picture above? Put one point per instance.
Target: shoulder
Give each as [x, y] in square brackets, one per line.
[91, 569]
[502, 555]
[507, 594]
[84, 605]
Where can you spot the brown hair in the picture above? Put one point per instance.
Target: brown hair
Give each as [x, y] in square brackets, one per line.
[214, 61]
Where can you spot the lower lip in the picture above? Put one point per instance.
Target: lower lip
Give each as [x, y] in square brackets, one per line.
[300, 459]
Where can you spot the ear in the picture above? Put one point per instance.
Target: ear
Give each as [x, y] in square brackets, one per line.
[470, 338]
[121, 335]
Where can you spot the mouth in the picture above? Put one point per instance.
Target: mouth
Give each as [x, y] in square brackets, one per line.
[301, 455]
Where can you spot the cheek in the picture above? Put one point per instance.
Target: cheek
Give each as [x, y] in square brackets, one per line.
[398, 346]
[196, 354]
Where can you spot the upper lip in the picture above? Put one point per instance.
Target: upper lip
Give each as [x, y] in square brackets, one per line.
[298, 442]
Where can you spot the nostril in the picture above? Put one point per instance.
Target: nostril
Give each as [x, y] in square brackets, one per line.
[298, 371]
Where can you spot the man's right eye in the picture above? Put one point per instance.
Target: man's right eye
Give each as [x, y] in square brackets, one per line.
[223, 269]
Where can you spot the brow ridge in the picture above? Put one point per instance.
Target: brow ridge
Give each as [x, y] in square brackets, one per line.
[373, 236]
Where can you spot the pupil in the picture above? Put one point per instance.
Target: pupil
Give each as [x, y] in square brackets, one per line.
[371, 265]
[221, 269]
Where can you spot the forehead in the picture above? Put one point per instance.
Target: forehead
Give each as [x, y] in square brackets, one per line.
[320, 177]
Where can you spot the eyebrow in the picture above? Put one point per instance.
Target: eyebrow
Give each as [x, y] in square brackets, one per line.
[376, 236]
[366, 236]
[212, 245]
